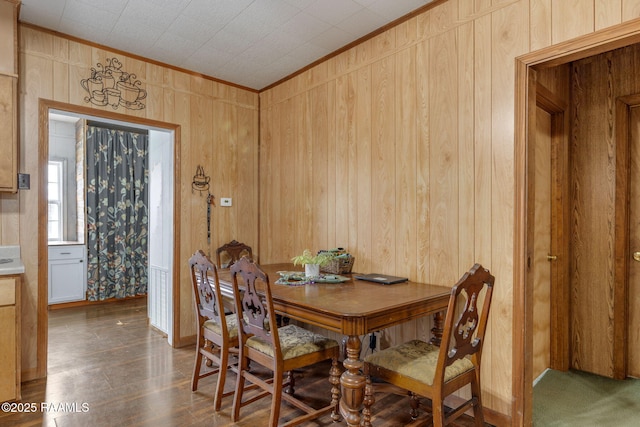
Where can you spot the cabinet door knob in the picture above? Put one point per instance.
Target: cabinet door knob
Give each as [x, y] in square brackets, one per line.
[551, 257]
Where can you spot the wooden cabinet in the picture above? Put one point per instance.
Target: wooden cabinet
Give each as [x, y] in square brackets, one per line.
[67, 273]
[9, 95]
[9, 338]
[8, 134]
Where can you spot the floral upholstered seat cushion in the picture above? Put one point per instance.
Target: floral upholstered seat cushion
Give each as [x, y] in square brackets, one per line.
[294, 341]
[232, 326]
[417, 359]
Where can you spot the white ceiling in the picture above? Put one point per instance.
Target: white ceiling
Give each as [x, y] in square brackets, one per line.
[252, 43]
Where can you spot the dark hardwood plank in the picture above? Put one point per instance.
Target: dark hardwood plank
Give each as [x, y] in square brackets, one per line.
[124, 372]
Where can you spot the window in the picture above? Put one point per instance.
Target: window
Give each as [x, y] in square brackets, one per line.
[55, 200]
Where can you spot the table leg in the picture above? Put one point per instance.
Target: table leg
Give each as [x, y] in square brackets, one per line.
[352, 383]
[438, 328]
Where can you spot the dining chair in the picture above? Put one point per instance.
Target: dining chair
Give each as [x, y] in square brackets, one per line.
[231, 252]
[426, 370]
[279, 349]
[217, 334]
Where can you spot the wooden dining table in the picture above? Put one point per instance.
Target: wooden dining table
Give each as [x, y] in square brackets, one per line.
[353, 308]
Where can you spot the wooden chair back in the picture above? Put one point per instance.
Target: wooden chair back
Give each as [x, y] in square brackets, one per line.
[427, 370]
[206, 292]
[463, 335]
[230, 253]
[255, 302]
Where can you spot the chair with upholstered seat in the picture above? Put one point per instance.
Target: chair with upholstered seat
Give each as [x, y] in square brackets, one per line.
[435, 372]
[217, 334]
[280, 349]
[231, 252]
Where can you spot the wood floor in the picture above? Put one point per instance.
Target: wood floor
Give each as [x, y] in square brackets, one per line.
[111, 369]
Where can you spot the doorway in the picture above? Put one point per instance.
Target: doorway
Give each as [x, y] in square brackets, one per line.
[527, 67]
[164, 232]
[73, 219]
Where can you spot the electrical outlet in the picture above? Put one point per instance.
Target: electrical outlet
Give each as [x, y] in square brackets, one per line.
[225, 201]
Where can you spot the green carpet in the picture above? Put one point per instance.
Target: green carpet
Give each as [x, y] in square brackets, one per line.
[577, 398]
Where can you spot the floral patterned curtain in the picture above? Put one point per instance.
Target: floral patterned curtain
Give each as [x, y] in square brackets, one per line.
[117, 213]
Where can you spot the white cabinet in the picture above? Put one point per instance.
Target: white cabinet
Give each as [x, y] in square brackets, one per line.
[67, 273]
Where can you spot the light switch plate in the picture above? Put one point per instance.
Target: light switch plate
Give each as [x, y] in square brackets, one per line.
[225, 201]
[24, 181]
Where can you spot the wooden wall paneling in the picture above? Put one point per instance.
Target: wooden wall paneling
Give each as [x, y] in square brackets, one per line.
[405, 141]
[246, 169]
[320, 190]
[223, 171]
[179, 109]
[61, 69]
[154, 102]
[481, 5]
[155, 75]
[598, 82]
[199, 154]
[407, 33]
[482, 158]
[423, 159]
[284, 225]
[593, 196]
[540, 27]
[9, 219]
[332, 170]
[265, 171]
[444, 158]
[571, 18]
[508, 41]
[444, 17]
[35, 42]
[36, 74]
[466, 145]
[364, 129]
[482, 132]
[276, 167]
[305, 168]
[466, 9]
[383, 162]
[265, 144]
[383, 44]
[607, 13]
[630, 9]
[79, 53]
[345, 174]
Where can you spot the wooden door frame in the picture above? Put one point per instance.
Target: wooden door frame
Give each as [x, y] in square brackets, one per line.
[615, 37]
[622, 232]
[44, 106]
[560, 292]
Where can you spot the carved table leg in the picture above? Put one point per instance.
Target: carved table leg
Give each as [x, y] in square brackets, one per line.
[352, 383]
[369, 400]
[438, 328]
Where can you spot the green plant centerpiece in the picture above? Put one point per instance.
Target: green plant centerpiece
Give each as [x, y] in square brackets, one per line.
[312, 262]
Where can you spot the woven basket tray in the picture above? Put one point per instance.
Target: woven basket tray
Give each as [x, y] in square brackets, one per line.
[338, 265]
